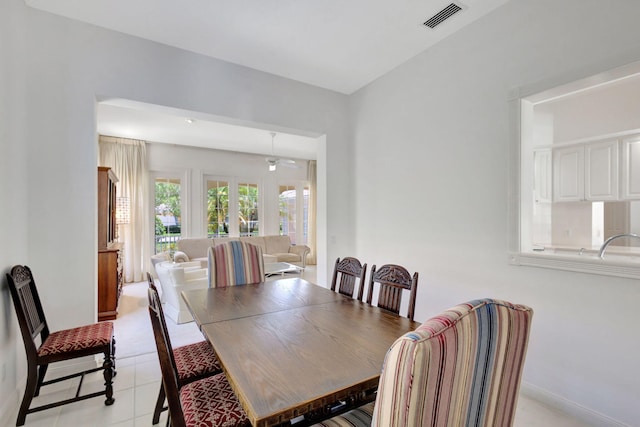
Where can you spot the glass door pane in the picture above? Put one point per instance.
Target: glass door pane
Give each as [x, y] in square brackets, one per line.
[167, 214]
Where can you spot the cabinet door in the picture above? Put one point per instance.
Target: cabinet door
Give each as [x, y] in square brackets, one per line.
[601, 171]
[631, 169]
[568, 174]
[542, 169]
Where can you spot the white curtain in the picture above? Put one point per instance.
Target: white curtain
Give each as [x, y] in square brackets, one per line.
[128, 160]
[312, 259]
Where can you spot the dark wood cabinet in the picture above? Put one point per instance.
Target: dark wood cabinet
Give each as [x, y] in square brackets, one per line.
[110, 263]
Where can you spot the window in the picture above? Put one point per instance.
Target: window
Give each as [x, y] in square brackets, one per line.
[287, 205]
[167, 214]
[305, 215]
[248, 209]
[579, 156]
[217, 208]
[294, 209]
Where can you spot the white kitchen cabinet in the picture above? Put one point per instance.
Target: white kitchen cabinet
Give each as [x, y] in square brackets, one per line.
[586, 172]
[568, 174]
[543, 175]
[630, 169]
[601, 171]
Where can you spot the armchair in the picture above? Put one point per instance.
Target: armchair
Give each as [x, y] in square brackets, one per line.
[460, 368]
[174, 278]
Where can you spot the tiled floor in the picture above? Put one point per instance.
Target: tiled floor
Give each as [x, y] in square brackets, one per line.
[138, 380]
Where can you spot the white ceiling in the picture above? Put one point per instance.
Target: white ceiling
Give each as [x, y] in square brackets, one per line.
[128, 119]
[334, 44]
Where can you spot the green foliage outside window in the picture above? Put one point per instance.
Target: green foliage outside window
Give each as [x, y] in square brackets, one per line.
[248, 209]
[167, 204]
[218, 209]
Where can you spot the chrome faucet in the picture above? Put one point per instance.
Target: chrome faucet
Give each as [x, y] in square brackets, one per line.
[611, 239]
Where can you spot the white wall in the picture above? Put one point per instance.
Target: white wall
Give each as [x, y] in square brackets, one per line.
[53, 72]
[432, 146]
[600, 111]
[14, 175]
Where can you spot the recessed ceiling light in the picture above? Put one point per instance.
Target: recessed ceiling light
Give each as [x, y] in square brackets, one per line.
[189, 121]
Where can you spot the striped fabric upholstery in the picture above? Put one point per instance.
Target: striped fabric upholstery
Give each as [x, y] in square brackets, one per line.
[359, 417]
[461, 368]
[235, 263]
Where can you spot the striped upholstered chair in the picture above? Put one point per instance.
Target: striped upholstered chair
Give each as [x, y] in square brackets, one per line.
[461, 368]
[235, 263]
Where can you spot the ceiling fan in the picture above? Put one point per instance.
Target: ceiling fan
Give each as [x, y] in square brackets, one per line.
[274, 161]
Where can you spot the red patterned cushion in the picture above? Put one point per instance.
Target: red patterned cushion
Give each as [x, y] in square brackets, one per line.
[195, 360]
[76, 339]
[211, 402]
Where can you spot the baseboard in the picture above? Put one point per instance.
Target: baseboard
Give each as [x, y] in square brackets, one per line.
[569, 407]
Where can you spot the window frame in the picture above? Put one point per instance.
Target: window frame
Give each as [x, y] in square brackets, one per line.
[205, 207]
[301, 219]
[521, 173]
[185, 202]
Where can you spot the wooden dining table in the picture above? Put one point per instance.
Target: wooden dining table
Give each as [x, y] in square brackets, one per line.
[295, 352]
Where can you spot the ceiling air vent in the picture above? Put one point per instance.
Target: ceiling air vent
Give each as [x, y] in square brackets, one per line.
[442, 16]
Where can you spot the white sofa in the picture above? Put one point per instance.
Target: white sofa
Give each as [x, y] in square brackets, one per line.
[274, 249]
[175, 278]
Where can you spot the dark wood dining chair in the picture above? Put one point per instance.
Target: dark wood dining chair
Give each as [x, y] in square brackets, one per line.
[346, 272]
[235, 263]
[460, 368]
[193, 362]
[393, 281]
[43, 347]
[205, 402]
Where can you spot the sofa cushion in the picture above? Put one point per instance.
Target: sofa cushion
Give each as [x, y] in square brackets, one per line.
[257, 241]
[277, 244]
[269, 259]
[274, 248]
[194, 248]
[287, 257]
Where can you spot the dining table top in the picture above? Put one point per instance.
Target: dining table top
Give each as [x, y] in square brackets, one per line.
[212, 305]
[290, 348]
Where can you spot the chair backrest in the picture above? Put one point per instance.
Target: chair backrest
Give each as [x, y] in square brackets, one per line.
[461, 368]
[345, 273]
[235, 263]
[151, 282]
[168, 365]
[393, 280]
[26, 302]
